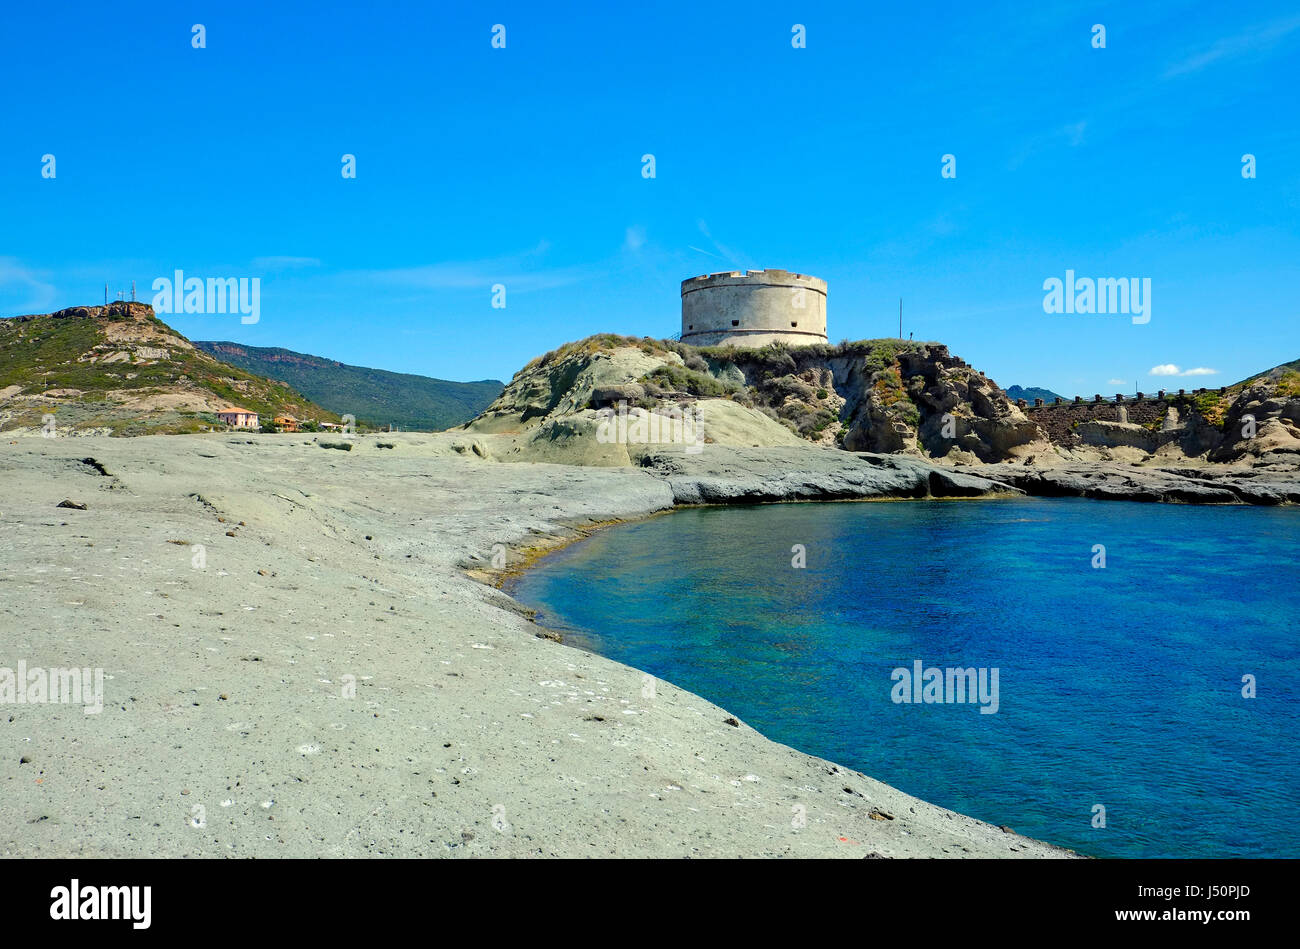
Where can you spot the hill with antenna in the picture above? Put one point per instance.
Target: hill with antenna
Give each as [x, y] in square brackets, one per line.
[119, 370]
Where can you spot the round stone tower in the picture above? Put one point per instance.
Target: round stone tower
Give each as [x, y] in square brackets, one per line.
[753, 309]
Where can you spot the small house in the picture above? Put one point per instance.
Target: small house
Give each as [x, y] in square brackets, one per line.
[238, 418]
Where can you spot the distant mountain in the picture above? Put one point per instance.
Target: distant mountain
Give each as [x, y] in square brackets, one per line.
[375, 396]
[119, 369]
[1028, 393]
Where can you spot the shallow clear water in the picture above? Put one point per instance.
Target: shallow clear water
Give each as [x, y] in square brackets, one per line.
[1119, 686]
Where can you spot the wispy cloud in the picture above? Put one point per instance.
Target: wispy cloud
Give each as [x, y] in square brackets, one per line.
[1071, 133]
[736, 258]
[1169, 369]
[1260, 39]
[21, 283]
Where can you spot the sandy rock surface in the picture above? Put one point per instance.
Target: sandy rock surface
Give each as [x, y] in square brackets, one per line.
[722, 474]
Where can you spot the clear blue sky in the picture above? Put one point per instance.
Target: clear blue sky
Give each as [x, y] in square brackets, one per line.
[522, 166]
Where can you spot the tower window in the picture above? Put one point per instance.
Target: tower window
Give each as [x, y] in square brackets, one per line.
[794, 324]
[735, 322]
[690, 327]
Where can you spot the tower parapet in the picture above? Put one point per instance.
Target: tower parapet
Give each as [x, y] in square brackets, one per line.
[753, 308]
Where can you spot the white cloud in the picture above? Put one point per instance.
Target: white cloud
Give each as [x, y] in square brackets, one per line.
[1169, 369]
[1116, 382]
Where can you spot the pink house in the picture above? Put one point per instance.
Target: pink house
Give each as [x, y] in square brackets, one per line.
[238, 418]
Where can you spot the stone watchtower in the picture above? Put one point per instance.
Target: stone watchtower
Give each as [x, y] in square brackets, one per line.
[753, 309]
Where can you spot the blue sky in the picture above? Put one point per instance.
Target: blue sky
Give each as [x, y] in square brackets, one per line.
[522, 166]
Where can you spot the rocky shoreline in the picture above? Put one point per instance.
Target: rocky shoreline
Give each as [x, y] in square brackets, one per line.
[1207, 484]
[731, 475]
[297, 662]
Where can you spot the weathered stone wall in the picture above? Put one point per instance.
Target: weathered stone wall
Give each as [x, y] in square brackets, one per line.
[1058, 419]
[753, 309]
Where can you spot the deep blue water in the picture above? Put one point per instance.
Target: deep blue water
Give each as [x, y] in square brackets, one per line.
[1119, 686]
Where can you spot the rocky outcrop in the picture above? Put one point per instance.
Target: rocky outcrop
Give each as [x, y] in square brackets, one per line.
[117, 310]
[885, 396]
[962, 410]
[850, 406]
[563, 382]
[602, 396]
[1203, 485]
[1118, 434]
[1262, 422]
[726, 475]
[1251, 421]
[881, 396]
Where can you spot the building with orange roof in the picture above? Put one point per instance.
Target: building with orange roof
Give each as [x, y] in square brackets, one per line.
[239, 418]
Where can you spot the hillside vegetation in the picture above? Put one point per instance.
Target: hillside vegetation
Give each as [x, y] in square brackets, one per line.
[119, 369]
[1286, 377]
[375, 396]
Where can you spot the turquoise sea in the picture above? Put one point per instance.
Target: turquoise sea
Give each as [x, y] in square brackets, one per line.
[1118, 686]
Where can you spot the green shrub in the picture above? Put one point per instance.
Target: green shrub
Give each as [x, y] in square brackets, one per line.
[679, 379]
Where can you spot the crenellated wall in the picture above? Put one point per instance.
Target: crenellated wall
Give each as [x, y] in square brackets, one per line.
[753, 309]
[1059, 419]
